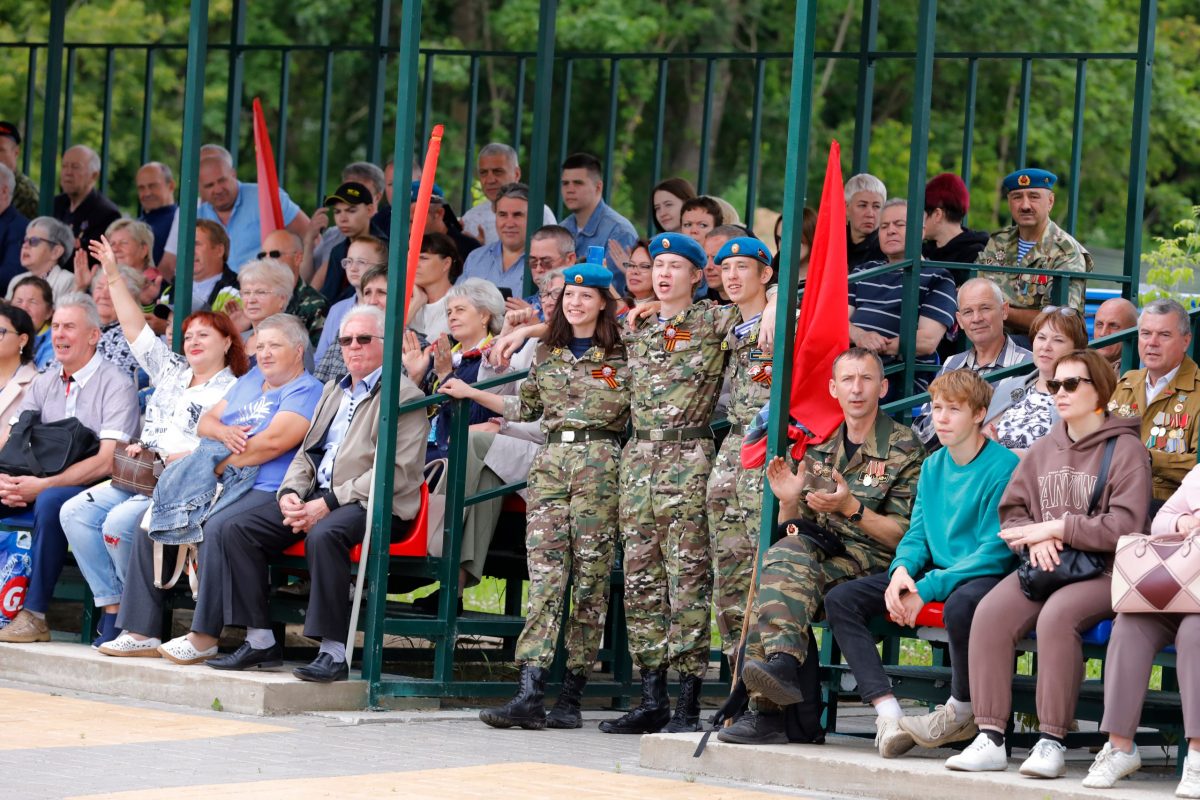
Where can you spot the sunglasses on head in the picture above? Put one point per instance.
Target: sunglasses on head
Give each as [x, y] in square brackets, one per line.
[1066, 311]
[363, 339]
[1070, 384]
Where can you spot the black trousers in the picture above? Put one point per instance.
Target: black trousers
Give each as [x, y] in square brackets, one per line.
[850, 606]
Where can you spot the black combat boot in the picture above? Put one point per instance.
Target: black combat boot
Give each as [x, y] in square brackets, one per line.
[565, 713]
[756, 727]
[777, 678]
[651, 714]
[687, 708]
[525, 709]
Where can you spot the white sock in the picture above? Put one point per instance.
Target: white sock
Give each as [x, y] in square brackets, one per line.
[889, 708]
[260, 638]
[960, 707]
[335, 650]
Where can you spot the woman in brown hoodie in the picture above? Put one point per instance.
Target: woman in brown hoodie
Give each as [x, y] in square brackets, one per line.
[1044, 508]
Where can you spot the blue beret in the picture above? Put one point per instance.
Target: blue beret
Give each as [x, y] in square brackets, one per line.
[680, 245]
[746, 246]
[1030, 179]
[437, 190]
[596, 276]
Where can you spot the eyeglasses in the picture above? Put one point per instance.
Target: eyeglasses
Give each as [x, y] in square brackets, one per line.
[4, 332]
[552, 294]
[363, 339]
[642, 265]
[35, 241]
[1070, 384]
[1066, 311]
[347, 263]
[543, 263]
[274, 254]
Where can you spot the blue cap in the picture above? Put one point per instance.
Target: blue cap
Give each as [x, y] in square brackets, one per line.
[1030, 179]
[680, 245]
[437, 190]
[746, 246]
[588, 273]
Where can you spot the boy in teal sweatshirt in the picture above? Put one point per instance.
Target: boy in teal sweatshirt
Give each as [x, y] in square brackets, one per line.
[952, 554]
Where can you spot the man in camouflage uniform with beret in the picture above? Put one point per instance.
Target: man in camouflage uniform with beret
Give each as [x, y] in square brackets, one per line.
[735, 493]
[844, 510]
[25, 192]
[1035, 243]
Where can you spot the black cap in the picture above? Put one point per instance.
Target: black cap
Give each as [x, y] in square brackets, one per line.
[351, 193]
[10, 130]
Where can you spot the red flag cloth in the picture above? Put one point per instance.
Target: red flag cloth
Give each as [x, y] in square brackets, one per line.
[421, 209]
[824, 328]
[270, 212]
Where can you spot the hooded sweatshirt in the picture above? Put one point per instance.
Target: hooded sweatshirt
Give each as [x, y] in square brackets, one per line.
[1056, 478]
[962, 249]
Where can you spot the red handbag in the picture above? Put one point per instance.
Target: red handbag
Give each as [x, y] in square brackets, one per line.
[1157, 574]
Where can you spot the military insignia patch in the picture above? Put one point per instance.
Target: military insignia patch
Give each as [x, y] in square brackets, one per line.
[1023, 180]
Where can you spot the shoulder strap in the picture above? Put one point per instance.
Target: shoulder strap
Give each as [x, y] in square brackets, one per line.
[1102, 478]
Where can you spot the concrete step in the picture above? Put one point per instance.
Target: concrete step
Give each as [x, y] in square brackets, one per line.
[848, 765]
[68, 665]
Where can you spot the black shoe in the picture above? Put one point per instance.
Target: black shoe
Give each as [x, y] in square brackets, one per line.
[323, 669]
[687, 708]
[246, 657]
[776, 679]
[651, 714]
[756, 727]
[566, 713]
[525, 710]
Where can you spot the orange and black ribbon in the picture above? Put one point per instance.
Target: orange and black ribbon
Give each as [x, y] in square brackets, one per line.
[671, 335]
[761, 374]
[606, 374]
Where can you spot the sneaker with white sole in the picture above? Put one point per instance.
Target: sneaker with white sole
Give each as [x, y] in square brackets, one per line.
[182, 651]
[980, 756]
[1190, 785]
[890, 739]
[1110, 766]
[940, 727]
[1047, 759]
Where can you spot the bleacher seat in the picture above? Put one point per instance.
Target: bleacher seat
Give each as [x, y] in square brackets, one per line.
[416, 543]
[931, 616]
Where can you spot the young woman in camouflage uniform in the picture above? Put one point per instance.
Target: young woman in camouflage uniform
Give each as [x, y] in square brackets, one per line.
[578, 386]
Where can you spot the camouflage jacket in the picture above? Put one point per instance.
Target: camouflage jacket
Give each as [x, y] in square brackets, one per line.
[675, 366]
[311, 307]
[25, 196]
[588, 393]
[1057, 249]
[1174, 411]
[749, 375]
[882, 475]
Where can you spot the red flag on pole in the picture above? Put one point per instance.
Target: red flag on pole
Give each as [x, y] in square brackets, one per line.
[824, 328]
[270, 212]
[421, 208]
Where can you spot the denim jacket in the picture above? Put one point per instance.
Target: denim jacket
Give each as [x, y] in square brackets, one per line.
[189, 492]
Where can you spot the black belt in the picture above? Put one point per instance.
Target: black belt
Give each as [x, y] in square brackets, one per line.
[575, 437]
[672, 434]
[738, 430]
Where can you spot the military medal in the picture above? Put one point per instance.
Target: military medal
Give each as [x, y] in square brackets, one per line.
[672, 334]
[872, 474]
[761, 373]
[606, 374]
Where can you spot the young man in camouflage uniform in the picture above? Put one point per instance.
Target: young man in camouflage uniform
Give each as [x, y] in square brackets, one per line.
[1033, 242]
[734, 493]
[847, 528]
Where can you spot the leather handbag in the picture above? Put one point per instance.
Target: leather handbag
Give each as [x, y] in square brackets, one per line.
[1074, 565]
[1157, 574]
[42, 449]
[137, 474]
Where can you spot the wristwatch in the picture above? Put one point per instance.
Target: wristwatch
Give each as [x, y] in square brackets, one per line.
[856, 517]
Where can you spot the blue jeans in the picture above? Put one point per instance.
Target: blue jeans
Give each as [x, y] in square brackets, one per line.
[49, 551]
[100, 524]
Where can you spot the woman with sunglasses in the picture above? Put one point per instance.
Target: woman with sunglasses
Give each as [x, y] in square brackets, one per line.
[1030, 411]
[1048, 506]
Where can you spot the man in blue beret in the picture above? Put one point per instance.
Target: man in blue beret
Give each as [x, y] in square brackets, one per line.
[1034, 242]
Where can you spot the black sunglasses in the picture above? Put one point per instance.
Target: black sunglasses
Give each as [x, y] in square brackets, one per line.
[1070, 384]
[363, 339]
[272, 254]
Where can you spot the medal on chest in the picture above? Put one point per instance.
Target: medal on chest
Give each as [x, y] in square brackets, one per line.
[760, 367]
[1168, 431]
[873, 474]
[607, 374]
[673, 334]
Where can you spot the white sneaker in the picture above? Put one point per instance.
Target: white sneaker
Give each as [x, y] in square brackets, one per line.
[890, 739]
[1190, 785]
[1110, 766]
[980, 756]
[1047, 759]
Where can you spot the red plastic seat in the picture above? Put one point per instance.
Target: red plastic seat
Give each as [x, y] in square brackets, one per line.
[513, 503]
[416, 543]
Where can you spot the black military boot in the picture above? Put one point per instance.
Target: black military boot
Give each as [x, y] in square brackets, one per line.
[687, 708]
[756, 727]
[565, 713]
[777, 678]
[651, 714]
[525, 709]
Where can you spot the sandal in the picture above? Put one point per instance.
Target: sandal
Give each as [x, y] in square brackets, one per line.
[125, 646]
[182, 651]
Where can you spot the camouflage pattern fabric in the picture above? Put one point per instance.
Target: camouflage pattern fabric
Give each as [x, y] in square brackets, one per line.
[735, 494]
[1055, 250]
[25, 196]
[572, 501]
[1175, 410]
[311, 307]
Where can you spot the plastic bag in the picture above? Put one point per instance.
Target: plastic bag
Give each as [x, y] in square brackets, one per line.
[15, 567]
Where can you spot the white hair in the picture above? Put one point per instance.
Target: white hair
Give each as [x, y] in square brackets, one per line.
[93, 157]
[140, 232]
[291, 327]
[218, 152]
[499, 149]
[484, 296]
[81, 301]
[7, 179]
[1165, 305]
[997, 292]
[865, 182]
[133, 279]
[276, 276]
[57, 232]
[375, 314]
[359, 170]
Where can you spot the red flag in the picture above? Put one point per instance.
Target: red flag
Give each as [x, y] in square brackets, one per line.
[270, 213]
[824, 328]
[421, 208]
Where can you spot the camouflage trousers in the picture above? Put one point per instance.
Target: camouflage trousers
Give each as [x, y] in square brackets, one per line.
[791, 593]
[734, 509]
[571, 535]
[668, 564]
